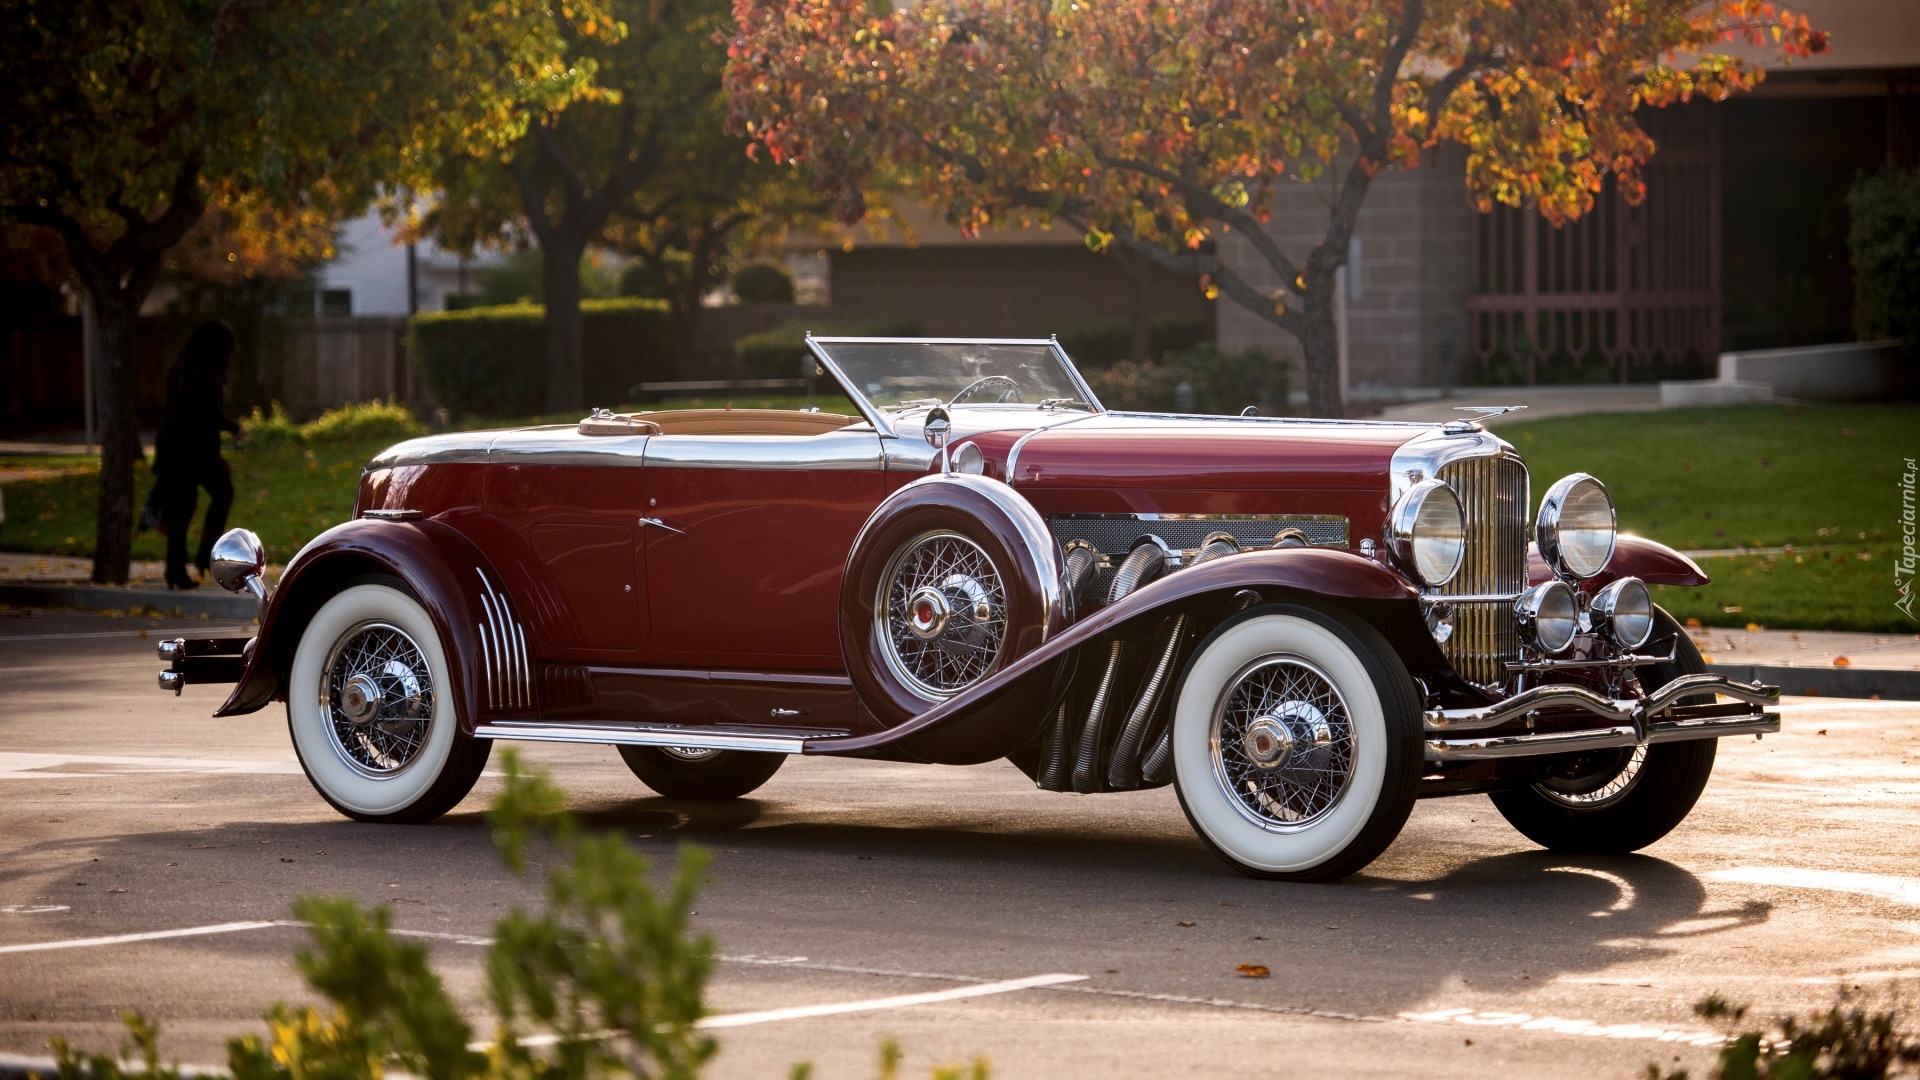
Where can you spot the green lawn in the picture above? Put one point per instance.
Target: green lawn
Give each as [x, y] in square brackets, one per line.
[1822, 478]
[287, 494]
[1754, 476]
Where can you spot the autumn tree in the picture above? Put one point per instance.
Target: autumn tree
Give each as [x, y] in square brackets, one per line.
[126, 119]
[1160, 126]
[634, 151]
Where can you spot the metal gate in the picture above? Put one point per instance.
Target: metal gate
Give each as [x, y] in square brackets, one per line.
[1627, 291]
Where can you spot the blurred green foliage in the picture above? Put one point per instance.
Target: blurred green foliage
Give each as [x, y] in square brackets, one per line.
[1885, 238]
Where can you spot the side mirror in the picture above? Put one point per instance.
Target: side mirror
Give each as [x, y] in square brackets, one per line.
[938, 426]
[240, 563]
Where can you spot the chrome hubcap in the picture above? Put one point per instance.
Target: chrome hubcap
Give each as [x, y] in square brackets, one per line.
[941, 614]
[360, 699]
[1283, 745]
[377, 695]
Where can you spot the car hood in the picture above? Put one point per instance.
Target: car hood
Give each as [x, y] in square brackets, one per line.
[1208, 453]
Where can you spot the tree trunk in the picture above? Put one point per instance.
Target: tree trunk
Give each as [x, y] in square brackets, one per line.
[116, 314]
[699, 264]
[560, 255]
[1320, 343]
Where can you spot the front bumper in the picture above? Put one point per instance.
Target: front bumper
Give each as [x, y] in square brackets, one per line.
[1476, 734]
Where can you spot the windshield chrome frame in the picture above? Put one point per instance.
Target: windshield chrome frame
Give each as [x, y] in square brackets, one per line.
[876, 415]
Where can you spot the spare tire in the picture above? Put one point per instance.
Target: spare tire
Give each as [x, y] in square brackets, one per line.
[952, 578]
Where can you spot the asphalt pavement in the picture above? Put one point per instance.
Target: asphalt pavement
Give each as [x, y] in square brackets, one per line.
[851, 900]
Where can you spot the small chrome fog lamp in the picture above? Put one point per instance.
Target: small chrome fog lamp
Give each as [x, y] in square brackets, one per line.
[1623, 611]
[1427, 533]
[1548, 616]
[1576, 529]
[240, 563]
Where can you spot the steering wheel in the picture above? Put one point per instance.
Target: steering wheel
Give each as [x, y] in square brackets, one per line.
[1011, 393]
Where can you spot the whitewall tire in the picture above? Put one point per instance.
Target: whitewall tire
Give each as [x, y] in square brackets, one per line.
[371, 708]
[1296, 743]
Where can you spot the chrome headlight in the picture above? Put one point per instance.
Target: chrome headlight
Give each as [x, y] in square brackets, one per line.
[1576, 527]
[1427, 533]
[1549, 616]
[1624, 612]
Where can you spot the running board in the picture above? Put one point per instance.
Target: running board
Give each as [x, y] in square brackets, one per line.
[758, 740]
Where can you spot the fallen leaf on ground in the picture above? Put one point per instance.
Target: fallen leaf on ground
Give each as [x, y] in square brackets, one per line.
[1253, 971]
[1184, 922]
[1841, 661]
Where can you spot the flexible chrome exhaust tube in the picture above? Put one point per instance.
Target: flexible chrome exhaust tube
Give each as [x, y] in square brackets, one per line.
[1053, 752]
[1124, 772]
[1082, 567]
[1086, 763]
[1157, 767]
[1144, 563]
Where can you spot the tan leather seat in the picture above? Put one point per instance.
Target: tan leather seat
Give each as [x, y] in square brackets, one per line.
[744, 421]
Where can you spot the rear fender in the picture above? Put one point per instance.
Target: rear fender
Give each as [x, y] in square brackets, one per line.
[1368, 589]
[485, 644]
[1633, 556]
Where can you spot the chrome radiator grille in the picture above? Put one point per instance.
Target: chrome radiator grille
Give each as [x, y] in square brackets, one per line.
[1493, 492]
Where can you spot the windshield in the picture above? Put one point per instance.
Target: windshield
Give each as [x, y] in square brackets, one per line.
[904, 374]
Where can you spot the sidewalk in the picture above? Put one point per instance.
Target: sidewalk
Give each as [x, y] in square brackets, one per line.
[59, 581]
[1540, 401]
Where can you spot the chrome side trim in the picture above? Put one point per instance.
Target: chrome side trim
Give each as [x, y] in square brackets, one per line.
[1563, 742]
[393, 515]
[459, 446]
[1300, 421]
[562, 444]
[1638, 713]
[503, 647]
[1013, 452]
[620, 735]
[848, 449]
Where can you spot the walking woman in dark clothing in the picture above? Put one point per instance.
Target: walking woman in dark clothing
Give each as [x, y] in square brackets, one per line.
[186, 454]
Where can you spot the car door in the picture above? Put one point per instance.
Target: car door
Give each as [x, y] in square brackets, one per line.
[746, 540]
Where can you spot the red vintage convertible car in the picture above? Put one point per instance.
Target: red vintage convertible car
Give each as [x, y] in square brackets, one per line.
[1302, 625]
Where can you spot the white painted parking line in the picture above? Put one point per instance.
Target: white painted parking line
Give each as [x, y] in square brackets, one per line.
[123, 939]
[1561, 1026]
[1885, 886]
[20, 765]
[902, 1001]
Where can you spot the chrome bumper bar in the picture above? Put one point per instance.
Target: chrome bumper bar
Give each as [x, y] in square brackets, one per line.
[1628, 721]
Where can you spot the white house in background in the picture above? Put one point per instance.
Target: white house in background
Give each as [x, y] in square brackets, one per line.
[369, 275]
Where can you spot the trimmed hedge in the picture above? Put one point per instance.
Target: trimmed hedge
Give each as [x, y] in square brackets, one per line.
[1885, 238]
[779, 353]
[1200, 380]
[1101, 344]
[491, 361]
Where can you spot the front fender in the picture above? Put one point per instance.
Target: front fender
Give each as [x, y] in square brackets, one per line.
[1301, 571]
[448, 575]
[1633, 556]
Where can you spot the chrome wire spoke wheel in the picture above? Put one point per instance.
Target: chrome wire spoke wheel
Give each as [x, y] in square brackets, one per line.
[941, 614]
[1594, 784]
[689, 753]
[1283, 743]
[377, 696]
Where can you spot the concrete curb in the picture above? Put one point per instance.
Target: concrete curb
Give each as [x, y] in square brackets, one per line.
[207, 600]
[1850, 682]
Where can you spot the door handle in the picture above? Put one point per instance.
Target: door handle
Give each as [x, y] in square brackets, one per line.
[658, 524]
